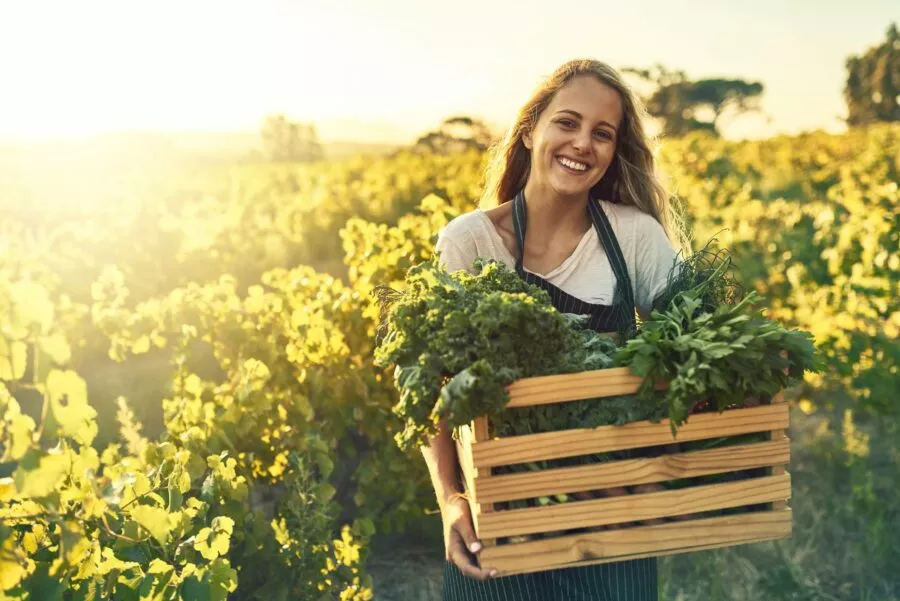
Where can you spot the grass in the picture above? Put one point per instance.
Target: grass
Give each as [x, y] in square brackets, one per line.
[410, 566]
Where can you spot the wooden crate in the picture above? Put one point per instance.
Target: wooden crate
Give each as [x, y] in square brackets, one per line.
[612, 534]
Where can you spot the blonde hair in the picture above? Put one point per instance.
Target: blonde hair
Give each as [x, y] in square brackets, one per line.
[631, 179]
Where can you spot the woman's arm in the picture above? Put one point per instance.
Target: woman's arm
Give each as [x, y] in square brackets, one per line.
[443, 465]
[460, 542]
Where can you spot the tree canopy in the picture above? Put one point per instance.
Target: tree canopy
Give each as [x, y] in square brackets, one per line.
[456, 134]
[872, 90]
[685, 105]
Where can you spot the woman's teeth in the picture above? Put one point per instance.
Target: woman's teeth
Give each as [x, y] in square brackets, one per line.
[572, 164]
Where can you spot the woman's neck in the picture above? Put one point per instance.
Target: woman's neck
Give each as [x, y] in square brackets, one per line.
[551, 215]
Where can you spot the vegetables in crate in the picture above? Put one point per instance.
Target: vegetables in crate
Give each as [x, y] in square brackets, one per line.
[457, 340]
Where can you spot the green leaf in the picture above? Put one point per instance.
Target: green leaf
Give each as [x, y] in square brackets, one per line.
[32, 308]
[71, 415]
[56, 347]
[110, 562]
[154, 519]
[209, 584]
[13, 569]
[214, 541]
[222, 579]
[37, 476]
[17, 431]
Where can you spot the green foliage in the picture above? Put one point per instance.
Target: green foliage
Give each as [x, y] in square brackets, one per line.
[812, 222]
[824, 248]
[686, 105]
[456, 134]
[169, 519]
[724, 357]
[872, 89]
[457, 340]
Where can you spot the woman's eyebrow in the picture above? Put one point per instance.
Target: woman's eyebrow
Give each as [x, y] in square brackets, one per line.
[579, 115]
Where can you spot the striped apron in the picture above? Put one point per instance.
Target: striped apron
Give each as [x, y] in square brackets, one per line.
[634, 580]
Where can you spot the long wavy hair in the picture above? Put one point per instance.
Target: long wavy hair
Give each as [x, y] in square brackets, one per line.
[631, 179]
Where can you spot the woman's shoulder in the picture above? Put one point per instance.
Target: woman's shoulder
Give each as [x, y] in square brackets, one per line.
[629, 220]
[475, 225]
[465, 222]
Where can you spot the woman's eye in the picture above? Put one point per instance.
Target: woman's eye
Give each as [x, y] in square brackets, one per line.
[604, 134]
[567, 122]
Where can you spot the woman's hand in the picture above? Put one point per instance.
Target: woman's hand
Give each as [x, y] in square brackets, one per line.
[460, 543]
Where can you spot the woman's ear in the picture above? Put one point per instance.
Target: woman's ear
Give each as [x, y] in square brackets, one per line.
[526, 140]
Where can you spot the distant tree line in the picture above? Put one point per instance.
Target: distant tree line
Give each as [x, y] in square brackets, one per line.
[681, 105]
[290, 141]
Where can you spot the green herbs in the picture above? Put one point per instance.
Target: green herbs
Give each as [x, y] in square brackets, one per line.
[457, 340]
[708, 272]
[722, 354]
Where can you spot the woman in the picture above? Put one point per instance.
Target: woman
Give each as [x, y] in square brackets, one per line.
[575, 171]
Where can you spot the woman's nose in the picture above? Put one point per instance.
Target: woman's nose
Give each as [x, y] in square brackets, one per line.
[582, 141]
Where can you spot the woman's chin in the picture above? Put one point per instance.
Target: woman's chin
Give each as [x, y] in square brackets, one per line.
[569, 188]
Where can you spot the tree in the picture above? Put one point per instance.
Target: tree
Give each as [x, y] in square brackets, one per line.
[872, 91]
[456, 134]
[684, 105]
[285, 140]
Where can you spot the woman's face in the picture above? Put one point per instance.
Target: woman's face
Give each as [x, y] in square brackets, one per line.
[574, 140]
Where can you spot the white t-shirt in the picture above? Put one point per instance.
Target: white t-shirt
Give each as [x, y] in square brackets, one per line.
[586, 274]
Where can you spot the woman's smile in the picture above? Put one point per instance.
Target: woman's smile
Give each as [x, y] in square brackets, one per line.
[572, 166]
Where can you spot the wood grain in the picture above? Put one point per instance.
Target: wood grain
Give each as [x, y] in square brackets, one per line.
[562, 388]
[635, 543]
[617, 510]
[507, 487]
[583, 441]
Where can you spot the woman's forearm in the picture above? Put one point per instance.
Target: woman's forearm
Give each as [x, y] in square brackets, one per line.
[443, 464]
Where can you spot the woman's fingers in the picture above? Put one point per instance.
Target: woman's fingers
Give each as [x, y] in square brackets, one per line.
[465, 561]
[462, 543]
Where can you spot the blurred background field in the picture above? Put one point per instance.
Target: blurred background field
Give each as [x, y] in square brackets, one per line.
[190, 409]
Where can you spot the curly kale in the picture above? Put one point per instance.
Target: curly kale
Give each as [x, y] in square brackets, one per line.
[457, 341]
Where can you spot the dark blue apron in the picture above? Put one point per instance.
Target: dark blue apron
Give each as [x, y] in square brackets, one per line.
[634, 580]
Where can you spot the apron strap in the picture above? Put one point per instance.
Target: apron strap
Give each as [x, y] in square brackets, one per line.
[624, 291]
[624, 294]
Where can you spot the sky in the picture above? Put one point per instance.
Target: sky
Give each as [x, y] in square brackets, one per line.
[390, 70]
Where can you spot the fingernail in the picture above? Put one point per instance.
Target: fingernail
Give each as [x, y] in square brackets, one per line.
[475, 547]
[493, 573]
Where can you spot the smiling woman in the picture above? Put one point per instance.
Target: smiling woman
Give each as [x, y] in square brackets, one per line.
[576, 172]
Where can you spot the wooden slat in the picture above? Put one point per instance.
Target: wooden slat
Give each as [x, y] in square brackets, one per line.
[636, 543]
[525, 485]
[583, 441]
[645, 506]
[573, 387]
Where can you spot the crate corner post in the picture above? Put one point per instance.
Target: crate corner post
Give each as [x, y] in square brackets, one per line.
[469, 436]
